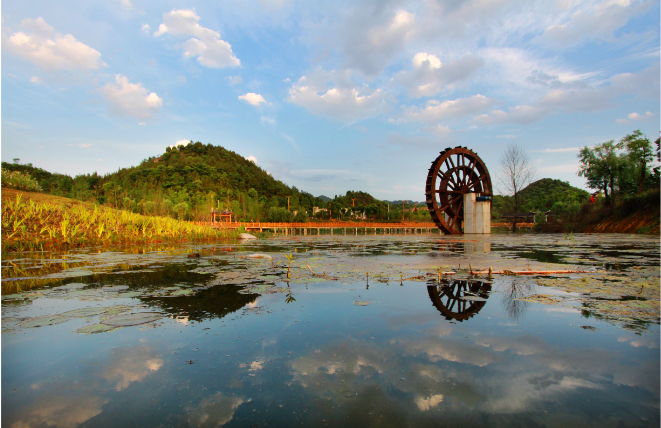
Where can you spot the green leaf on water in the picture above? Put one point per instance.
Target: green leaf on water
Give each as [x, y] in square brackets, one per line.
[96, 328]
[133, 319]
[44, 321]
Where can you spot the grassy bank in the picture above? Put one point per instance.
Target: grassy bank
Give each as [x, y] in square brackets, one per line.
[632, 214]
[36, 221]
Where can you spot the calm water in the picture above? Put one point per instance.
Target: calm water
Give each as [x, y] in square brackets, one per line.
[362, 333]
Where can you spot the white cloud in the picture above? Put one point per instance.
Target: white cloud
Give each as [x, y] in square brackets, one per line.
[84, 146]
[559, 150]
[523, 115]
[644, 84]
[253, 99]
[641, 117]
[206, 44]
[425, 404]
[559, 169]
[590, 99]
[597, 22]
[291, 141]
[576, 96]
[371, 39]
[429, 76]
[252, 159]
[130, 99]
[36, 80]
[146, 28]
[126, 4]
[51, 50]
[180, 143]
[439, 130]
[234, 80]
[343, 100]
[436, 111]
[622, 121]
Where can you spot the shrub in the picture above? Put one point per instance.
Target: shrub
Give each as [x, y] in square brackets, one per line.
[280, 215]
[20, 181]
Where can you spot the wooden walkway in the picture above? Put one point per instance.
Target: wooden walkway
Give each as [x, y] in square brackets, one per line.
[344, 227]
[335, 227]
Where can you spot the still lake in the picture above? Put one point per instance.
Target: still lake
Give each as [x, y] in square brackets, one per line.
[335, 331]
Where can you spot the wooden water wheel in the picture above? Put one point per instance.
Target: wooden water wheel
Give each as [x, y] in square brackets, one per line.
[454, 173]
[458, 299]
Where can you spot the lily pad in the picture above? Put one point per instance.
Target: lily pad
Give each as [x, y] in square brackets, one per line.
[72, 286]
[114, 287]
[130, 294]
[44, 321]
[133, 319]
[96, 328]
[85, 312]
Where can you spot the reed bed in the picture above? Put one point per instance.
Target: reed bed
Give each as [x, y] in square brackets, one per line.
[29, 225]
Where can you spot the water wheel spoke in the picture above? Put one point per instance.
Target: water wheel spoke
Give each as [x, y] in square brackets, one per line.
[449, 178]
[452, 201]
[479, 180]
[452, 163]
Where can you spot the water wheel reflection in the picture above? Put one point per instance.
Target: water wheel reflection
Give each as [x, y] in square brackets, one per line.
[458, 299]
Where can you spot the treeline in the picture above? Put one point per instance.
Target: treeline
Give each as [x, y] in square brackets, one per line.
[621, 169]
[187, 181]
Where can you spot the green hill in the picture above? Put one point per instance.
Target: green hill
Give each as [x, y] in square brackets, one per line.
[183, 182]
[543, 195]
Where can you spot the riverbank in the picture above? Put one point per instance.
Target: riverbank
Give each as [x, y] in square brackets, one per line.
[635, 214]
[37, 221]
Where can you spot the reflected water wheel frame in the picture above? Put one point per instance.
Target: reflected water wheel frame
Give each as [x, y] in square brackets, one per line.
[448, 299]
[454, 173]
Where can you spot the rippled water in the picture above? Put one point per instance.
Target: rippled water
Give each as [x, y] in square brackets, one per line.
[362, 331]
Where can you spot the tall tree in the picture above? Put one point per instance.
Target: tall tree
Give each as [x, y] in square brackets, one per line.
[600, 166]
[517, 171]
[640, 153]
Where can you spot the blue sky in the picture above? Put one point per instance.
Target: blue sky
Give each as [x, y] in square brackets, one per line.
[326, 96]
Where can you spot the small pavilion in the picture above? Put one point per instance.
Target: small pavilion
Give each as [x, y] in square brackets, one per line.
[224, 216]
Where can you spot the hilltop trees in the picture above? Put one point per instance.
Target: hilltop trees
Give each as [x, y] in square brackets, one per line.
[620, 169]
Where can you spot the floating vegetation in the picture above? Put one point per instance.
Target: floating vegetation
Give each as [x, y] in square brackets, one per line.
[133, 319]
[623, 292]
[361, 303]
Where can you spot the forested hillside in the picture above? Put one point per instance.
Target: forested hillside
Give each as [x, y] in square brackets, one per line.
[184, 182]
[546, 194]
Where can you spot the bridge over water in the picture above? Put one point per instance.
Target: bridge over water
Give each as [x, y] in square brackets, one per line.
[342, 227]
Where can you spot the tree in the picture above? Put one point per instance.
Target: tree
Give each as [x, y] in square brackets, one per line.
[600, 166]
[517, 171]
[639, 150]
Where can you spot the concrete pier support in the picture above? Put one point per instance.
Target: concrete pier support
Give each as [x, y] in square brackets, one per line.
[477, 215]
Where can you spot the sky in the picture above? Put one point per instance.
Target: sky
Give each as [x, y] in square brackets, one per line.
[326, 96]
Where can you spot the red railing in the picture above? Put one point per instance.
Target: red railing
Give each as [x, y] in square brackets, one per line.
[320, 225]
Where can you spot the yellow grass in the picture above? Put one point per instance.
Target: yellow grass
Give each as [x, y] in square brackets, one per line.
[36, 221]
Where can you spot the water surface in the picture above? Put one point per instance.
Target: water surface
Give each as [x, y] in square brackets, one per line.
[364, 331]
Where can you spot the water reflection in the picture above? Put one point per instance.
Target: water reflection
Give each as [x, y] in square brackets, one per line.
[458, 299]
[514, 291]
[215, 302]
